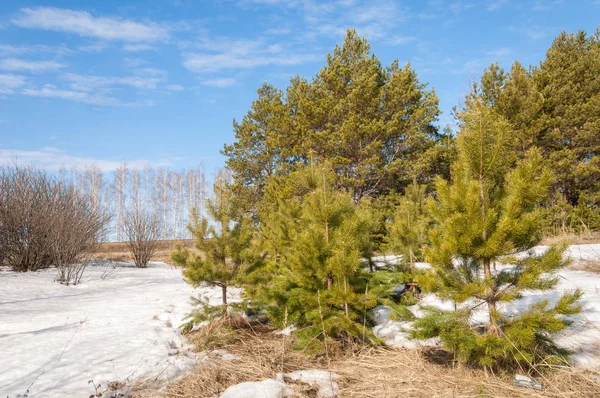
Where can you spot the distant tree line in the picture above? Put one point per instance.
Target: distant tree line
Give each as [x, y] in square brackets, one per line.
[163, 196]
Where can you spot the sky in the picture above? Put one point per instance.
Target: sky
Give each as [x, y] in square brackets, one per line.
[159, 82]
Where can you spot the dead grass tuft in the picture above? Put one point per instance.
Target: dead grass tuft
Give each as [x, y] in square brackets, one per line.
[367, 372]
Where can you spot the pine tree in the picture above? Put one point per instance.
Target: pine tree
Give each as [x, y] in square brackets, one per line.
[409, 227]
[313, 275]
[224, 241]
[375, 124]
[488, 212]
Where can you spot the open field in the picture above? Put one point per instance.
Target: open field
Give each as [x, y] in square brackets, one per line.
[118, 251]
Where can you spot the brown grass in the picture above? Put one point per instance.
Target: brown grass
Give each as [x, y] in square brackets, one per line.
[573, 238]
[118, 251]
[368, 372]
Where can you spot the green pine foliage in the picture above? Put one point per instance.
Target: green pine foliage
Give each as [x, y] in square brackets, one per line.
[374, 123]
[488, 212]
[555, 106]
[313, 275]
[408, 230]
[223, 240]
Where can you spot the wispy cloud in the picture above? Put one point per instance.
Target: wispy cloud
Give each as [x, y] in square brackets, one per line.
[174, 87]
[54, 159]
[11, 51]
[134, 48]
[400, 40]
[10, 82]
[13, 64]
[85, 24]
[98, 99]
[494, 5]
[225, 54]
[91, 83]
[278, 31]
[500, 52]
[223, 82]
[546, 5]
[534, 32]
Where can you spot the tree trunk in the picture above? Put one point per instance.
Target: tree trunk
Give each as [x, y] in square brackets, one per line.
[224, 294]
[493, 328]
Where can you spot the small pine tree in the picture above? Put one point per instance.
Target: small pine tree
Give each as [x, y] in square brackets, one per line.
[408, 229]
[223, 241]
[482, 217]
[313, 274]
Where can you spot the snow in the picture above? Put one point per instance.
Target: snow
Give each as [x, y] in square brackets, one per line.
[269, 388]
[124, 327]
[583, 336]
[277, 388]
[325, 381]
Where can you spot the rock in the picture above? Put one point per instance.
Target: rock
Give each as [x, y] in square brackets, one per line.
[527, 382]
[325, 381]
[286, 332]
[269, 388]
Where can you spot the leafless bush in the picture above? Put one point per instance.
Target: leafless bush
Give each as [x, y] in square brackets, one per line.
[142, 231]
[76, 228]
[26, 197]
[44, 223]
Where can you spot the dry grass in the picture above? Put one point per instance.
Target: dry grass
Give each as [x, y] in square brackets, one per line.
[374, 372]
[118, 251]
[573, 238]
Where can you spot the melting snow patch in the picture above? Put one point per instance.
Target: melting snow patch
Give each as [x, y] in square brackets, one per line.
[325, 381]
[582, 337]
[269, 388]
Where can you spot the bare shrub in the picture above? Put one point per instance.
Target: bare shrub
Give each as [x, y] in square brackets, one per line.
[142, 231]
[26, 197]
[44, 223]
[76, 229]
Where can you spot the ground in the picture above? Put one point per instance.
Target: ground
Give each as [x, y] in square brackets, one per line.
[120, 324]
[119, 327]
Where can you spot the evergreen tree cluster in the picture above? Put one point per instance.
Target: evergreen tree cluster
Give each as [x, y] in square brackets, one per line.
[350, 164]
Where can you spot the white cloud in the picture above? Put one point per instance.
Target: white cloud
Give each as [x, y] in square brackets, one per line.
[225, 54]
[10, 82]
[222, 82]
[85, 24]
[13, 64]
[98, 99]
[134, 48]
[10, 51]
[500, 52]
[533, 32]
[174, 87]
[53, 159]
[89, 83]
[203, 63]
[50, 91]
[493, 5]
[277, 32]
[401, 40]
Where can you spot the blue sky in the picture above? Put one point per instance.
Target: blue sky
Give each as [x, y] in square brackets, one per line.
[160, 81]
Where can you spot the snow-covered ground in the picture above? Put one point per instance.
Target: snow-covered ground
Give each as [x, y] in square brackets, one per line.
[54, 338]
[124, 327]
[583, 336]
